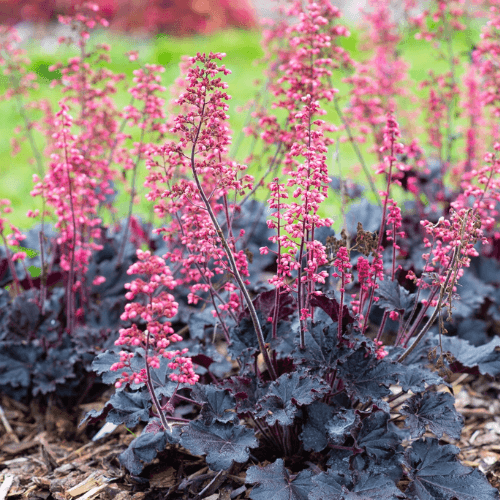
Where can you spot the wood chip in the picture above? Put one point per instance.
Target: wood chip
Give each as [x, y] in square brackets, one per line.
[238, 491]
[7, 426]
[475, 412]
[488, 438]
[74, 454]
[6, 485]
[468, 463]
[48, 458]
[16, 448]
[93, 492]
[14, 461]
[91, 482]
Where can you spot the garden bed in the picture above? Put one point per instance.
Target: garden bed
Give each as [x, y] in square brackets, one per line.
[51, 462]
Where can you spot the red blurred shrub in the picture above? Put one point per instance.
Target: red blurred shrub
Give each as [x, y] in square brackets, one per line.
[178, 17]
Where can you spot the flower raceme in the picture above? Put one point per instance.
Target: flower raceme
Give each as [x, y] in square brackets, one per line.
[305, 63]
[158, 335]
[201, 151]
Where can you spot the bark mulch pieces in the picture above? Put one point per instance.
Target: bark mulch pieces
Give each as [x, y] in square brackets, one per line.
[45, 456]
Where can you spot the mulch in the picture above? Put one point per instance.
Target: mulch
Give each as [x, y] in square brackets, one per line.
[46, 456]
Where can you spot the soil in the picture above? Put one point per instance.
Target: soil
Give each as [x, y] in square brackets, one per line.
[44, 455]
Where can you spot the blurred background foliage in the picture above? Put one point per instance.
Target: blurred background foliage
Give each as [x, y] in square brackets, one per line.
[161, 43]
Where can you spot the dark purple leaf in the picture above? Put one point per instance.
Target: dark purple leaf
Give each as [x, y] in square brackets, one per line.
[472, 292]
[487, 269]
[340, 426]
[485, 358]
[246, 391]
[285, 395]
[23, 315]
[218, 404]
[95, 416]
[374, 486]
[314, 436]
[17, 362]
[416, 378]
[53, 371]
[435, 473]
[142, 451]
[367, 379]
[198, 321]
[244, 344]
[274, 409]
[328, 485]
[51, 279]
[128, 408]
[375, 437]
[390, 466]
[202, 360]
[286, 336]
[353, 190]
[159, 376]
[265, 303]
[363, 211]
[102, 364]
[338, 461]
[223, 444]
[393, 297]
[321, 350]
[473, 331]
[274, 481]
[434, 411]
[331, 307]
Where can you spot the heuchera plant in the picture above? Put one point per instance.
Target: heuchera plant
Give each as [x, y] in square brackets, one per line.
[287, 339]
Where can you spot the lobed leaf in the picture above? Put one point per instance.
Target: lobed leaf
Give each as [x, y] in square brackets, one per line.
[246, 391]
[314, 436]
[128, 408]
[393, 297]
[366, 213]
[340, 426]
[435, 473]
[286, 394]
[218, 404]
[222, 443]
[331, 307]
[142, 451]
[389, 466]
[485, 358]
[416, 378]
[329, 485]
[274, 481]
[434, 411]
[370, 485]
[375, 437]
[367, 379]
[321, 351]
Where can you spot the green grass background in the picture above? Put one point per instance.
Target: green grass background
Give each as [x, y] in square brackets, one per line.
[243, 52]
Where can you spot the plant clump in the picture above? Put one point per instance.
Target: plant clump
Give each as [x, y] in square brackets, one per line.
[246, 330]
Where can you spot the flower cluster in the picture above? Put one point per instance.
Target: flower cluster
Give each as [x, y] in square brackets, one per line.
[202, 152]
[158, 335]
[306, 65]
[342, 263]
[299, 220]
[367, 275]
